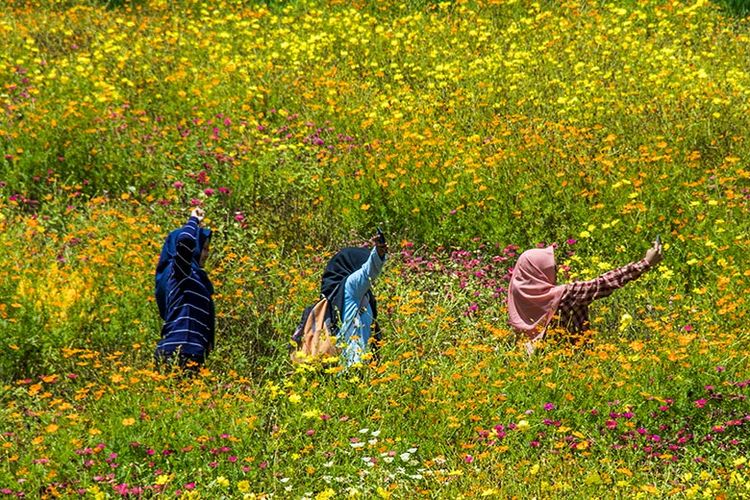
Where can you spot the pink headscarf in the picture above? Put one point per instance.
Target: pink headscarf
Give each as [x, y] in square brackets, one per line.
[533, 296]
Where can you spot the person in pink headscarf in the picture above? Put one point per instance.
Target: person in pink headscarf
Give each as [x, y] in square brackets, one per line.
[536, 302]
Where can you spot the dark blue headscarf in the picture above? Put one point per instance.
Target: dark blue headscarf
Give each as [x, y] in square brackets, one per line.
[341, 265]
[164, 267]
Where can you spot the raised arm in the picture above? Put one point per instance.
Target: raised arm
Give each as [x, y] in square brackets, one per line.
[585, 292]
[186, 241]
[358, 282]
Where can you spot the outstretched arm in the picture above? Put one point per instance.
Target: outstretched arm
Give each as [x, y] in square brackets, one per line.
[186, 242]
[585, 292]
[358, 282]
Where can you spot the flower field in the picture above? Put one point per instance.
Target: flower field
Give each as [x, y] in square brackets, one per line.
[469, 131]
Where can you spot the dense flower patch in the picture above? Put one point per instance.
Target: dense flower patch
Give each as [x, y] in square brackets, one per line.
[470, 132]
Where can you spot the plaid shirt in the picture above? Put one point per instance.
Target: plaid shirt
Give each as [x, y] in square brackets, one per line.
[573, 310]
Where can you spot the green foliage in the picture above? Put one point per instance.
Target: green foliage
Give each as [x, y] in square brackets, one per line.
[469, 131]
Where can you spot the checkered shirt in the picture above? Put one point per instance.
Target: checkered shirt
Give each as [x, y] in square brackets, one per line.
[573, 310]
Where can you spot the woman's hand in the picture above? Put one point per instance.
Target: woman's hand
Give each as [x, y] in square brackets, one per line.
[198, 213]
[654, 255]
[382, 247]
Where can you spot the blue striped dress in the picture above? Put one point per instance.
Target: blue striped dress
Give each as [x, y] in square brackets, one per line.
[189, 321]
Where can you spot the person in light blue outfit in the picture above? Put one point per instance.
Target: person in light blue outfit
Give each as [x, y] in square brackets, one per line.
[347, 284]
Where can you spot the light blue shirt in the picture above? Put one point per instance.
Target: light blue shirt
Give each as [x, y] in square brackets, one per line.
[357, 314]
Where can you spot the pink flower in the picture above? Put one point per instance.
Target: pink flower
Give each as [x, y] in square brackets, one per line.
[468, 459]
[700, 403]
[208, 191]
[611, 424]
[178, 185]
[549, 406]
[121, 489]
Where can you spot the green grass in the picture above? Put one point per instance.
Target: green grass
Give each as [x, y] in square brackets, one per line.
[470, 132]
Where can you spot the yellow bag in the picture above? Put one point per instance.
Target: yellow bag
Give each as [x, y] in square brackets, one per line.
[313, 340]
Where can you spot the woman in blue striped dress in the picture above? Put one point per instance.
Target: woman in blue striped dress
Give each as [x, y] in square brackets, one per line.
[184, 296]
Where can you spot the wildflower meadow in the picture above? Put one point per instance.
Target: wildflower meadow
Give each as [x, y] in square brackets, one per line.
[469, 131]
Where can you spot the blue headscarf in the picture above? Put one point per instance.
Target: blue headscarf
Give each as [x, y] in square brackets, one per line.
[164, 267]
[338, 269]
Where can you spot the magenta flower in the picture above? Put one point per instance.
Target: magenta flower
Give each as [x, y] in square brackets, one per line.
[208, 191]
[468, 459]
[700, 403]
[549, 406]
[121, 489]
[178, 185]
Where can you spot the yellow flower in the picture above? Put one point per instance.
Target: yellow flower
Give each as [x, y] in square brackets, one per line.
[523, 425]
[383, 493]
[127, 422]
[326, 494]
[243, 486]
[222, 481]
[625, 321]
[163, 479]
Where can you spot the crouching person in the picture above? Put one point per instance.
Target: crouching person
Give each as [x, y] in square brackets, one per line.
[346, 283]
[183, 294]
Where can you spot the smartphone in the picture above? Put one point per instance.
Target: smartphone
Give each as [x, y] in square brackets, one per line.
[381, 236]
[657, 241]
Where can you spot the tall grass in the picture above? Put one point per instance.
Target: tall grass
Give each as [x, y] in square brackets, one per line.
[469, 131]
